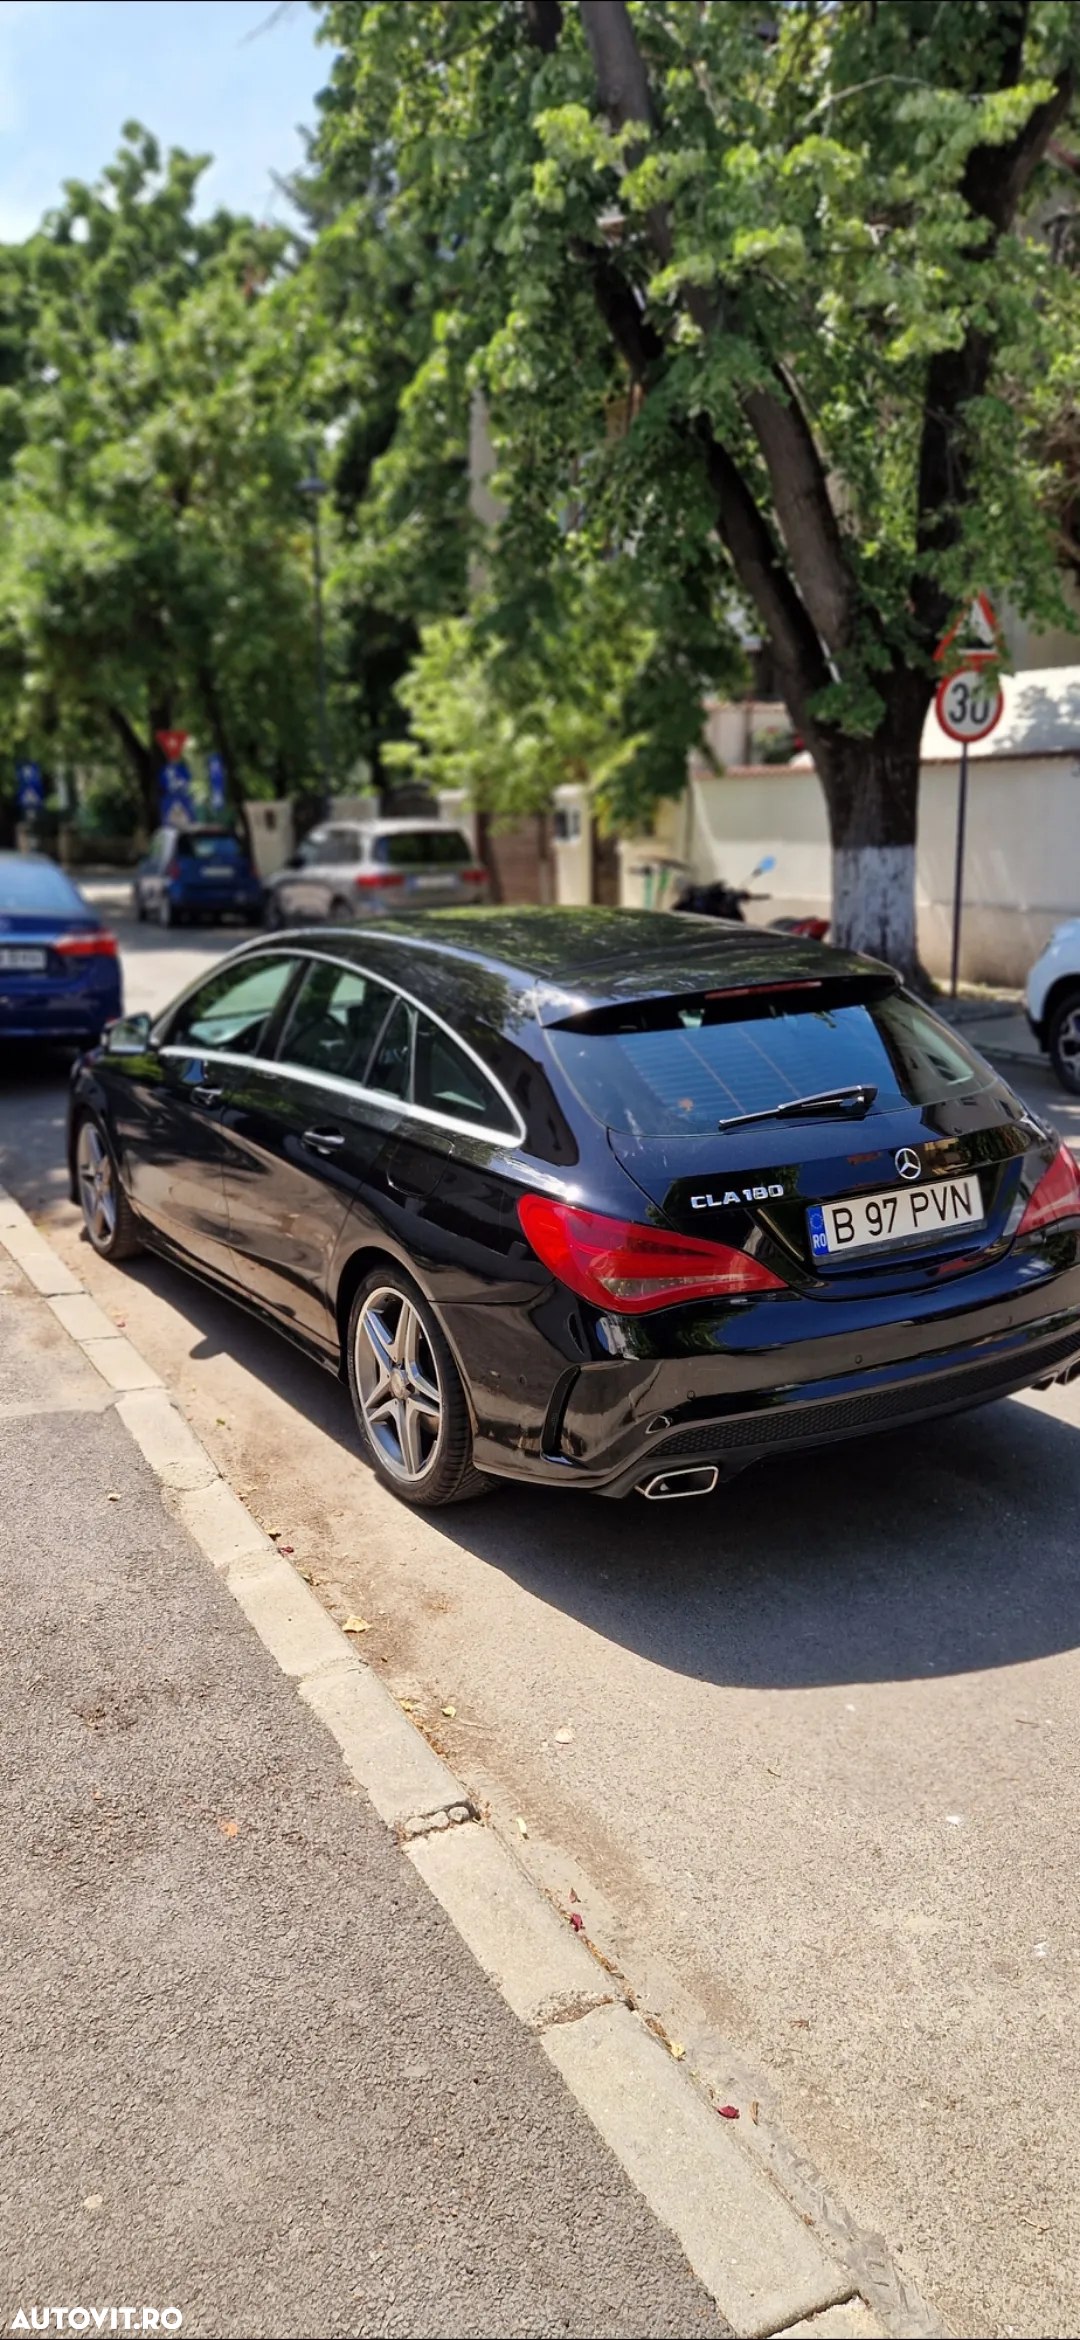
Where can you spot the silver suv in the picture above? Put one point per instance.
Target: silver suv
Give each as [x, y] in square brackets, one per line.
[350, 869]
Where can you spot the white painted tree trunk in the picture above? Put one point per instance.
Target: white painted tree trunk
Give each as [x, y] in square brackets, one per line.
[874, 902]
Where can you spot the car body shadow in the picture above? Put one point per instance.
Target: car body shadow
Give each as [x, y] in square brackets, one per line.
[941, 1549]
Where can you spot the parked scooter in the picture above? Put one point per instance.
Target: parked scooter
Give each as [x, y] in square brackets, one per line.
[719, 900]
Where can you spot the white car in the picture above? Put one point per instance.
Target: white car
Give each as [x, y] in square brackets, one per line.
[350, 869]
[1053, 1002]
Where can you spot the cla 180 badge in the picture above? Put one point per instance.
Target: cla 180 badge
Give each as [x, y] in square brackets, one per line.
[735, 1194]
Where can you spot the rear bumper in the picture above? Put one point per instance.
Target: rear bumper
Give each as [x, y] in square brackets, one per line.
[80, 1016]
[604, 1426]
[853, 1408]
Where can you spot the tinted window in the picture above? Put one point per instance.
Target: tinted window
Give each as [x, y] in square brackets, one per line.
[335, 1021]
[448, 1081]
[329, 848]
[422, 849]
[233, 1008]
[700, 1067]
[392, 1065]
[203, 849]
[28, 885]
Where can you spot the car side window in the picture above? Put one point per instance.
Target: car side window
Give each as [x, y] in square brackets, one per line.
[232, 1010]
[391, 1068]
[334, 1021]
[448, 1081]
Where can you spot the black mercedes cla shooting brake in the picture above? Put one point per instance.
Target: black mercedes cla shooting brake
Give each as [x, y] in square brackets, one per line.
[590, 1198]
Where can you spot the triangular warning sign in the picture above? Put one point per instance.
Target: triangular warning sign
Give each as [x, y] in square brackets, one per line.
[976, 634]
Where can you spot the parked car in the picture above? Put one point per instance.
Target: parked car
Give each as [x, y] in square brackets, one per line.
[59, 967]
[203, 872]
[1053, 1002]
[352, 869]
[591, 1199]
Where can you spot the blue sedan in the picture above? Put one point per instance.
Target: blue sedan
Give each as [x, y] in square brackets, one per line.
[59, 968]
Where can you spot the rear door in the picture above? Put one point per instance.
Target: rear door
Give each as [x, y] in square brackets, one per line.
[679, 1096]
[301, 1141]
[327, 858]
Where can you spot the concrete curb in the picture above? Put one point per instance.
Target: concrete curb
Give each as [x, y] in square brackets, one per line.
[767, 2272]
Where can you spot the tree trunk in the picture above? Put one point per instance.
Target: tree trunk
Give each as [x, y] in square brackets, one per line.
[872, 792]
[144, 762]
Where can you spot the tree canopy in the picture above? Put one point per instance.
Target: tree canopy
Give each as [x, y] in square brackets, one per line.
[773, 316]
[771, 280]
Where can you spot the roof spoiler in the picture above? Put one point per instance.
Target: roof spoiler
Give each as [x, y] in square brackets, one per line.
[720, 1003]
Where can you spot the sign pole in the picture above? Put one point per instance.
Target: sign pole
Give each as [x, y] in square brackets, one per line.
[958, 879]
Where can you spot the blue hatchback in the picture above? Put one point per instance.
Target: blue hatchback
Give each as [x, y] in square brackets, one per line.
[59, 968]
[195, 873]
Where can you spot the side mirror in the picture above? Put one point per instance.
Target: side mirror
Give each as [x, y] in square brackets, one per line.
[128, 1036]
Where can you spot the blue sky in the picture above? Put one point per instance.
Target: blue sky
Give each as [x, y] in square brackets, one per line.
[220, 76]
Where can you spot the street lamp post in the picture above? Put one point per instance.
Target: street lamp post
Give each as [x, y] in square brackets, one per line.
[315, 487]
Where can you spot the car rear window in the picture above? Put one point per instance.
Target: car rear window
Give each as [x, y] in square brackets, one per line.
[696, 1065]
[29, 886]
[205, 849]
[422, 849]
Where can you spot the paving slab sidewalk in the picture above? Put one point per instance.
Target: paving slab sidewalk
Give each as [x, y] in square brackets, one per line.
[251, 2071]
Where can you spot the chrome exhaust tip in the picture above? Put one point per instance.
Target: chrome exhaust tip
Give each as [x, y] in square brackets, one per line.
[670, 1486]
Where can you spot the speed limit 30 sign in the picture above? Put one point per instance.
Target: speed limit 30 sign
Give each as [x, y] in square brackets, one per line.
[969, 704]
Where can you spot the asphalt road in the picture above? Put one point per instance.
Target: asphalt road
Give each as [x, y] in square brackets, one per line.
[820, 1796]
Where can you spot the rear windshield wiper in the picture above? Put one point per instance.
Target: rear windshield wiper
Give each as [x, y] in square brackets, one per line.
[850, 1104]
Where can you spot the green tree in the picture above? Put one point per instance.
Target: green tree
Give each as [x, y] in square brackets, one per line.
[155, 561]
[581, 675]
[793, 244]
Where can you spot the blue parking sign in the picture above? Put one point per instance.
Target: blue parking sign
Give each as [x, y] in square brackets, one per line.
[176, 796]
[215, 767]
[31, 787]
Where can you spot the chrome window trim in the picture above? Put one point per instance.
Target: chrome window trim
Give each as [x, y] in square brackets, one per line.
[423, 1113]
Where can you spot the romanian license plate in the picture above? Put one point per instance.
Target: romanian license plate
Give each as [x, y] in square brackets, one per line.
[895, 1216]
[223, 869]
[29, 962]
[425, 885]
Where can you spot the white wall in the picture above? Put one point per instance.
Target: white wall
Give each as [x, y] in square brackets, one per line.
[1022, 860]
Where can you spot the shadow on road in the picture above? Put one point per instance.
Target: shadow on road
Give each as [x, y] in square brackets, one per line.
[931, 1551]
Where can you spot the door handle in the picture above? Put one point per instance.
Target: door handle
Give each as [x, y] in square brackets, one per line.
[204, 1095]
[322, 1141]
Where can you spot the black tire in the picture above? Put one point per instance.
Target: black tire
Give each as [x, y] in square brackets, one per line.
[139, 906]
[1063, 1041]
[110, 1222]
[342, 911]
[273, 914]
[421, 1451]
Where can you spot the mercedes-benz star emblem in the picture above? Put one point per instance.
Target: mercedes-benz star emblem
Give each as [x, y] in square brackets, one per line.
[907, 1162]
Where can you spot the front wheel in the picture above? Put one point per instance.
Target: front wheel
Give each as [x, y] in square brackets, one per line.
[107, 1214]
[1063, 1041]
[407, 1392]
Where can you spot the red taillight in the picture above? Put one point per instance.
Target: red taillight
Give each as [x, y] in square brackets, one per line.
[379, 877]
[1057, 1195]
[85, 946]
[474, 877]
[174, 871]
[618, 1265]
